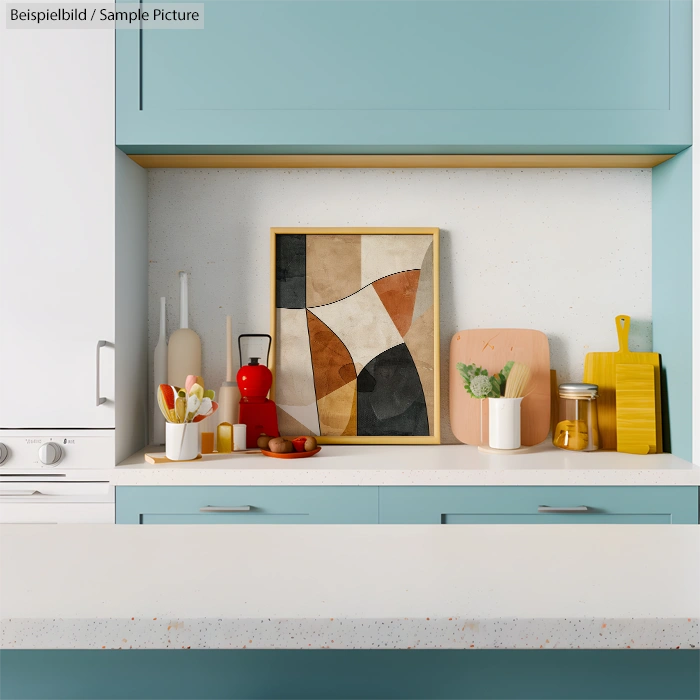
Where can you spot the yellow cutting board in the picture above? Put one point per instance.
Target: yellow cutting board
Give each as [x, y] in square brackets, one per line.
[600, 369]
[636, 409]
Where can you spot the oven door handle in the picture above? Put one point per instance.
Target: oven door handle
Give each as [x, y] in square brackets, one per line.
[17, 492]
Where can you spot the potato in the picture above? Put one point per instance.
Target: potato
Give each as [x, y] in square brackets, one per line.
[264, 441]
[275, 444]
[280, 446]
[310, 444]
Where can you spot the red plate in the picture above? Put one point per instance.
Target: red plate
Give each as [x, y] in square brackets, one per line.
[291, 455]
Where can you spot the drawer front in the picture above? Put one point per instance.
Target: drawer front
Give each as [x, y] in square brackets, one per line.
[450, 505]
[231, 505]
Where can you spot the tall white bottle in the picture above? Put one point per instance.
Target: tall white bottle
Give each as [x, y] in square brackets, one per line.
[185, 347]
[229, 396]
[160, 376]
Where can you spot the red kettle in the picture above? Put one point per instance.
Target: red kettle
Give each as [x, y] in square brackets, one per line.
[254, 381]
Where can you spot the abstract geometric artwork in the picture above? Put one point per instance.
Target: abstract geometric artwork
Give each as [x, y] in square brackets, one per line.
[355, 334]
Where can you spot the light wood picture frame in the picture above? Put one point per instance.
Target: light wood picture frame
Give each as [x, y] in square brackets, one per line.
[355, 325]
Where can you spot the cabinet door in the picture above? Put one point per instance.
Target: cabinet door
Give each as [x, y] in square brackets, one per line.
[442, 76]
[538, 504]
[247, 505]
[57, 228]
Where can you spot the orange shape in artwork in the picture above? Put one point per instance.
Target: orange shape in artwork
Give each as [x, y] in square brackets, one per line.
[332, 363]
[398, 294]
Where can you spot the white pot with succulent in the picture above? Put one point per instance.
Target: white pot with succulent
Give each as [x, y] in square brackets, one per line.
[505, 391]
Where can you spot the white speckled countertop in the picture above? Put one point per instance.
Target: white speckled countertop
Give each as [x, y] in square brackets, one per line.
[415, 465]
[350, 587]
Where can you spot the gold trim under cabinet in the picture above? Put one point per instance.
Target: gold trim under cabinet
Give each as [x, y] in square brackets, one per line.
[400, 161]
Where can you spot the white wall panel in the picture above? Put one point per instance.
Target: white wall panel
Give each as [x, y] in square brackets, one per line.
[563, 251]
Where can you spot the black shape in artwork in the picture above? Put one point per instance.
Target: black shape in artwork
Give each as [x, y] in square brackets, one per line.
[291, 271]
[390, 398]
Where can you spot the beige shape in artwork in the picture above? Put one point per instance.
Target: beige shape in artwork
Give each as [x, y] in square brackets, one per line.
[290, 426]
[336, 409]
[306, 416]
[332, 267]
[387, 254]
[362, 324]
[421, 344]
[294, 377]
[426, 286]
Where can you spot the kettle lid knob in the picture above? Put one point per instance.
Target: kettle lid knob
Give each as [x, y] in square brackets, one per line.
[254, 361]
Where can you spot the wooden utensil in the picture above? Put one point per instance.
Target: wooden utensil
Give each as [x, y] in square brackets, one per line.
[635, 409]
[491, 348]
[185, 347]
[600, 369]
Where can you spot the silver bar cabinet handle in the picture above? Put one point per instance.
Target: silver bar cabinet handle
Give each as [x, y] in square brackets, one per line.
[99, 399]
[224, 509]
[562, 509]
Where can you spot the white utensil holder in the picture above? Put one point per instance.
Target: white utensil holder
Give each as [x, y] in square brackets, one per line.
[181, 441]
[504, 423]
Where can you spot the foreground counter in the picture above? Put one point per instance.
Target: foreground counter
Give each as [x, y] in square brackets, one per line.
[339, 612]
[350, 587]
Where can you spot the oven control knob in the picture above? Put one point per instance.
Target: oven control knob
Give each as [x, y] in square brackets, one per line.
[3, 453]
[50, 453]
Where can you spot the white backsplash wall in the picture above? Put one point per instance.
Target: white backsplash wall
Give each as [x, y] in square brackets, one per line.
[562, 251]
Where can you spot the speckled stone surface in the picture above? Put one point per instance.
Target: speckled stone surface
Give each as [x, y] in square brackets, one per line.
[351, 633]
[350, 587]
[414, 465]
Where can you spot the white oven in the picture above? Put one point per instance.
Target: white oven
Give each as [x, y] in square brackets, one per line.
[33, 500]
[49, 476]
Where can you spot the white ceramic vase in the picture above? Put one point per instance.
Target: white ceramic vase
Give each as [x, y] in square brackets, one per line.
[181, 441]
[504, 423]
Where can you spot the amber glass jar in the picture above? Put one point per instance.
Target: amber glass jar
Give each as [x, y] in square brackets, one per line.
[577, 425]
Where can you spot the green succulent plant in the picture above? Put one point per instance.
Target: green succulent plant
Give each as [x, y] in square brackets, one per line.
[480, 385]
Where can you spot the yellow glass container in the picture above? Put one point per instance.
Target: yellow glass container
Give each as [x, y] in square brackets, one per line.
[577, 426]
[224, 438]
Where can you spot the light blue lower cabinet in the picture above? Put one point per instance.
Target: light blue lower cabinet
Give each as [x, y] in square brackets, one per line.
[459, 505]
[246, 505]
[447, 505]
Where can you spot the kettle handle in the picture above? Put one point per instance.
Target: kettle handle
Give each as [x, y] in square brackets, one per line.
[254, 335]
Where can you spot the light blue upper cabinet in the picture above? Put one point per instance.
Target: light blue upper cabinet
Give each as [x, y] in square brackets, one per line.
[405, 76]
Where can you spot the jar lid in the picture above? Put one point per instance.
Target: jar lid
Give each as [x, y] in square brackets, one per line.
[578, 391]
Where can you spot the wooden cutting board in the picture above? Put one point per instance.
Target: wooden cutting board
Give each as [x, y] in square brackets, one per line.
[600, 369]
[635, 409]
[491, 348]
[160, 458]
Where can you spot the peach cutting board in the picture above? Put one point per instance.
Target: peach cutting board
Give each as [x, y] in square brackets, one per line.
[491, 348]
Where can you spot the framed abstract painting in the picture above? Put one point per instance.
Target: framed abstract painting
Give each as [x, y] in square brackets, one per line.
[355, 327]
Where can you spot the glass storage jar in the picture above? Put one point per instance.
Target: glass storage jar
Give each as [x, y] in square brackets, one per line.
[577, 422]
